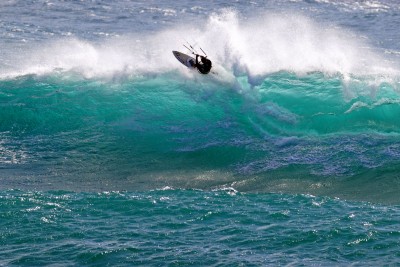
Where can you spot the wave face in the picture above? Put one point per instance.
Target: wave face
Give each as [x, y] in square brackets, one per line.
[297, 105]
[288, 133]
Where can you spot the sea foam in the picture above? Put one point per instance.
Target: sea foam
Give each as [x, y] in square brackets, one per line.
[254, 47]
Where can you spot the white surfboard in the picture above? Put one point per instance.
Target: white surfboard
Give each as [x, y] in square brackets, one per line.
[186, 60]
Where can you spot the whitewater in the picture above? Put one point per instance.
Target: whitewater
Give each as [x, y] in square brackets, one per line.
[112, 152]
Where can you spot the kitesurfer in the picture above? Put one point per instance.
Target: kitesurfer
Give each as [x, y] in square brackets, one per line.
[204, 65]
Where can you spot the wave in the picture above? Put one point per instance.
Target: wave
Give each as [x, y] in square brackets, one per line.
[291, 133]
[254, 47]
[312, 109]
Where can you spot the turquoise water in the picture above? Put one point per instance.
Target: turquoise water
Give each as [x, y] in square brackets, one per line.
[186, 227]
[113, 153]
[288, 134]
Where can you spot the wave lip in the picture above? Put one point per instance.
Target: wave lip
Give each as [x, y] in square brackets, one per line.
[254, 47]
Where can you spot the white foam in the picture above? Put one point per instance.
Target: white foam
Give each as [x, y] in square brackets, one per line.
[272, 43]
[254, 47]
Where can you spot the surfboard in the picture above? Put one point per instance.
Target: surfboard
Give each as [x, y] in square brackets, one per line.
[184, 59]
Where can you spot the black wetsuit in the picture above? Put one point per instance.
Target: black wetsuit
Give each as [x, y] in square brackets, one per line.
[204, 66]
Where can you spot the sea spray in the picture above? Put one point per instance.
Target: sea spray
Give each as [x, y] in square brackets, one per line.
[254, 47]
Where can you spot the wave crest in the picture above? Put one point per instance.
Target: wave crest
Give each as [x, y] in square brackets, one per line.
[254, 47]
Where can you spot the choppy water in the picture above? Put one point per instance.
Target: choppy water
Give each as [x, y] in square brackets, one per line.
[301, 119]
[178, 227]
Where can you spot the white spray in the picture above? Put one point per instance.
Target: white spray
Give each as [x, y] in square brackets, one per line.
[254, 47]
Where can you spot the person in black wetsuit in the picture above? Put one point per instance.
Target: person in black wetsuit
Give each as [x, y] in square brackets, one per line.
[204, 65]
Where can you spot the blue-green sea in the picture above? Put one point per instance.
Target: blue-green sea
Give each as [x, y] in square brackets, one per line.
[192, 227]
[113, 153]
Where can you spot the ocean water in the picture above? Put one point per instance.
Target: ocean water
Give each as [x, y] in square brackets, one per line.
[113, 153]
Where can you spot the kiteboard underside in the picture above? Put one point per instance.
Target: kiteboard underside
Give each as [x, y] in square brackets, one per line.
[186, 60]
